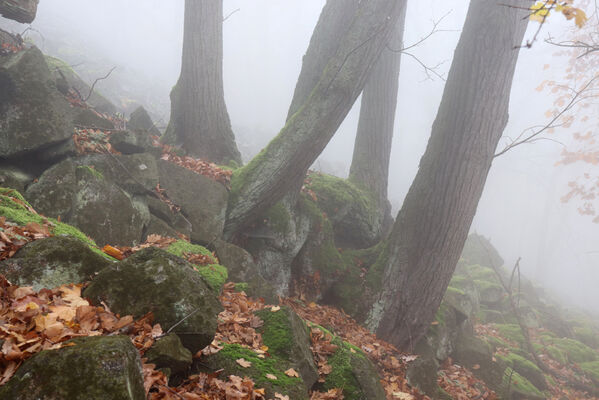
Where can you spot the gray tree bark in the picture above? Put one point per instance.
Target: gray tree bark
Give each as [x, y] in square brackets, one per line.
[432, 226]
[284, 162]
[372, 149]
[199, 120]
[334, 21]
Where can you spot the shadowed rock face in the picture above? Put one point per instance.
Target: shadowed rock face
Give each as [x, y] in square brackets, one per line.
[20, 10]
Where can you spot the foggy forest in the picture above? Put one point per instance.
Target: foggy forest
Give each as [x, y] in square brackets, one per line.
[299, 199]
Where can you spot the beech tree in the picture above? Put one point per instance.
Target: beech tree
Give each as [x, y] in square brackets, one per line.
[199, 120]
[372, 149]
[424, 246]
[280, 167]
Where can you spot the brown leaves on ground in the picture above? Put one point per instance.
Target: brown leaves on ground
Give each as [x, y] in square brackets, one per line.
[93, 140]
[390, 362]
[35, 321]
[13, 237]
[196, 165]
[205, 387]
[461, 384]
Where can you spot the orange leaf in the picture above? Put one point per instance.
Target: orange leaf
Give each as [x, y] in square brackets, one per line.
[113, 252]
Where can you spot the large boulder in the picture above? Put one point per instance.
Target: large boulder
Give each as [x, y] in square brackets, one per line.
[154, 280]
[288, 342]
[168, 354]
[33, 113]
[202, 200]
[52, 262]
[94, 368]
[140, 120]
[22, 11]
[83, 197]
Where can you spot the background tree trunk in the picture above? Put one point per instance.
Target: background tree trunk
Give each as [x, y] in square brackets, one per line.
[199, 119]
[372, 149]
[284, 162]
[432, 226]
[334, 21]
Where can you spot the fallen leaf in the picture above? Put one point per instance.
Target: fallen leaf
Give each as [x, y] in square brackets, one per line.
[271, 376]
[244, 363]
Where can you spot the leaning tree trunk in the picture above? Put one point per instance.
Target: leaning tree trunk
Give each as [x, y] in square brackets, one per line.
[199, 120]
[284, 162]
[432, 226]
[334, 22]
[372, 149]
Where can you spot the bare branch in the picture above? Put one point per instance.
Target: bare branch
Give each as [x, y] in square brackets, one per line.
[231, 13]
[578, 96]
[91, 90]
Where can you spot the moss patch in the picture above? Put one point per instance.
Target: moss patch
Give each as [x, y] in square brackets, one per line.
[180, 247]
[91, 170]
[514, 382]
[215, 275]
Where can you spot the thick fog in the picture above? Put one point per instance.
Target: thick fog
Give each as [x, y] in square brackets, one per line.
[264, 41]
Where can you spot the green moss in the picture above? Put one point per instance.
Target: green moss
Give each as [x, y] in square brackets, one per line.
[180, 247]
[591, 369]
[517, 383]
[574, 350]
[278, 217]
[511, 332]
[91, 170]
[65, 229]
[480, 273]
[556, 354]
[259, 369]
[56, 63]
[277, 332]
[215, 275]
[241, 287]
[520, 363]
[342, 375]
[587, 335]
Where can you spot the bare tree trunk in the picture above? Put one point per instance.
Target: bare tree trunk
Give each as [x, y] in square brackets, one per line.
[432, 226]
[199, 119]
[372, 149]
[334, 21]
[284, 162]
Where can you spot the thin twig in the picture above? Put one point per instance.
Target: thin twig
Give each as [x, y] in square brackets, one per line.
[91, 90]
[231, 13]
[184, 318]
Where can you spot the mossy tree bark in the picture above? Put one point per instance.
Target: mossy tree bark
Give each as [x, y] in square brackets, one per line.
[281, 166]
[334, 21]
[199, 120]
[372, 149]
[432, 226]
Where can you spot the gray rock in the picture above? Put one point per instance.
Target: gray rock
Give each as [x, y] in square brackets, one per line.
[14, 178]
[173, 219]
[154, 280]
[168, 352]
[33, 113]
[140, 120]
[89, 119]
[129, 142]
[96, 368]
[52, 262]
[22, 11]
[54, 192]
[202, 200]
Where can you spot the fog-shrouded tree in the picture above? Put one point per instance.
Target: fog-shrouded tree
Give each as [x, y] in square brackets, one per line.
[372, 149]
[199, 122]
[281, 167]
[428, 235]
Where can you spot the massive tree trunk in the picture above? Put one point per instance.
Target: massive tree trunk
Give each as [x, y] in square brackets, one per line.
[334, 21]
[372, 149]
[284, 162]
[199, 120]
[432, 226]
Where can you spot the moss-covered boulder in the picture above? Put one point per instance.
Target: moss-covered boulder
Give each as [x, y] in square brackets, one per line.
[95, 368]
[260, 370]
[354, 213]
[516, 387]
[33, 113]
[154, 280]
[168, 354]
[287, 338]
[201, 199]
[526, 368]
[137, 174]
[354, 373]
[474, 353]
[52, 262]
[214, 274]
[242, 269]
[82, 196]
